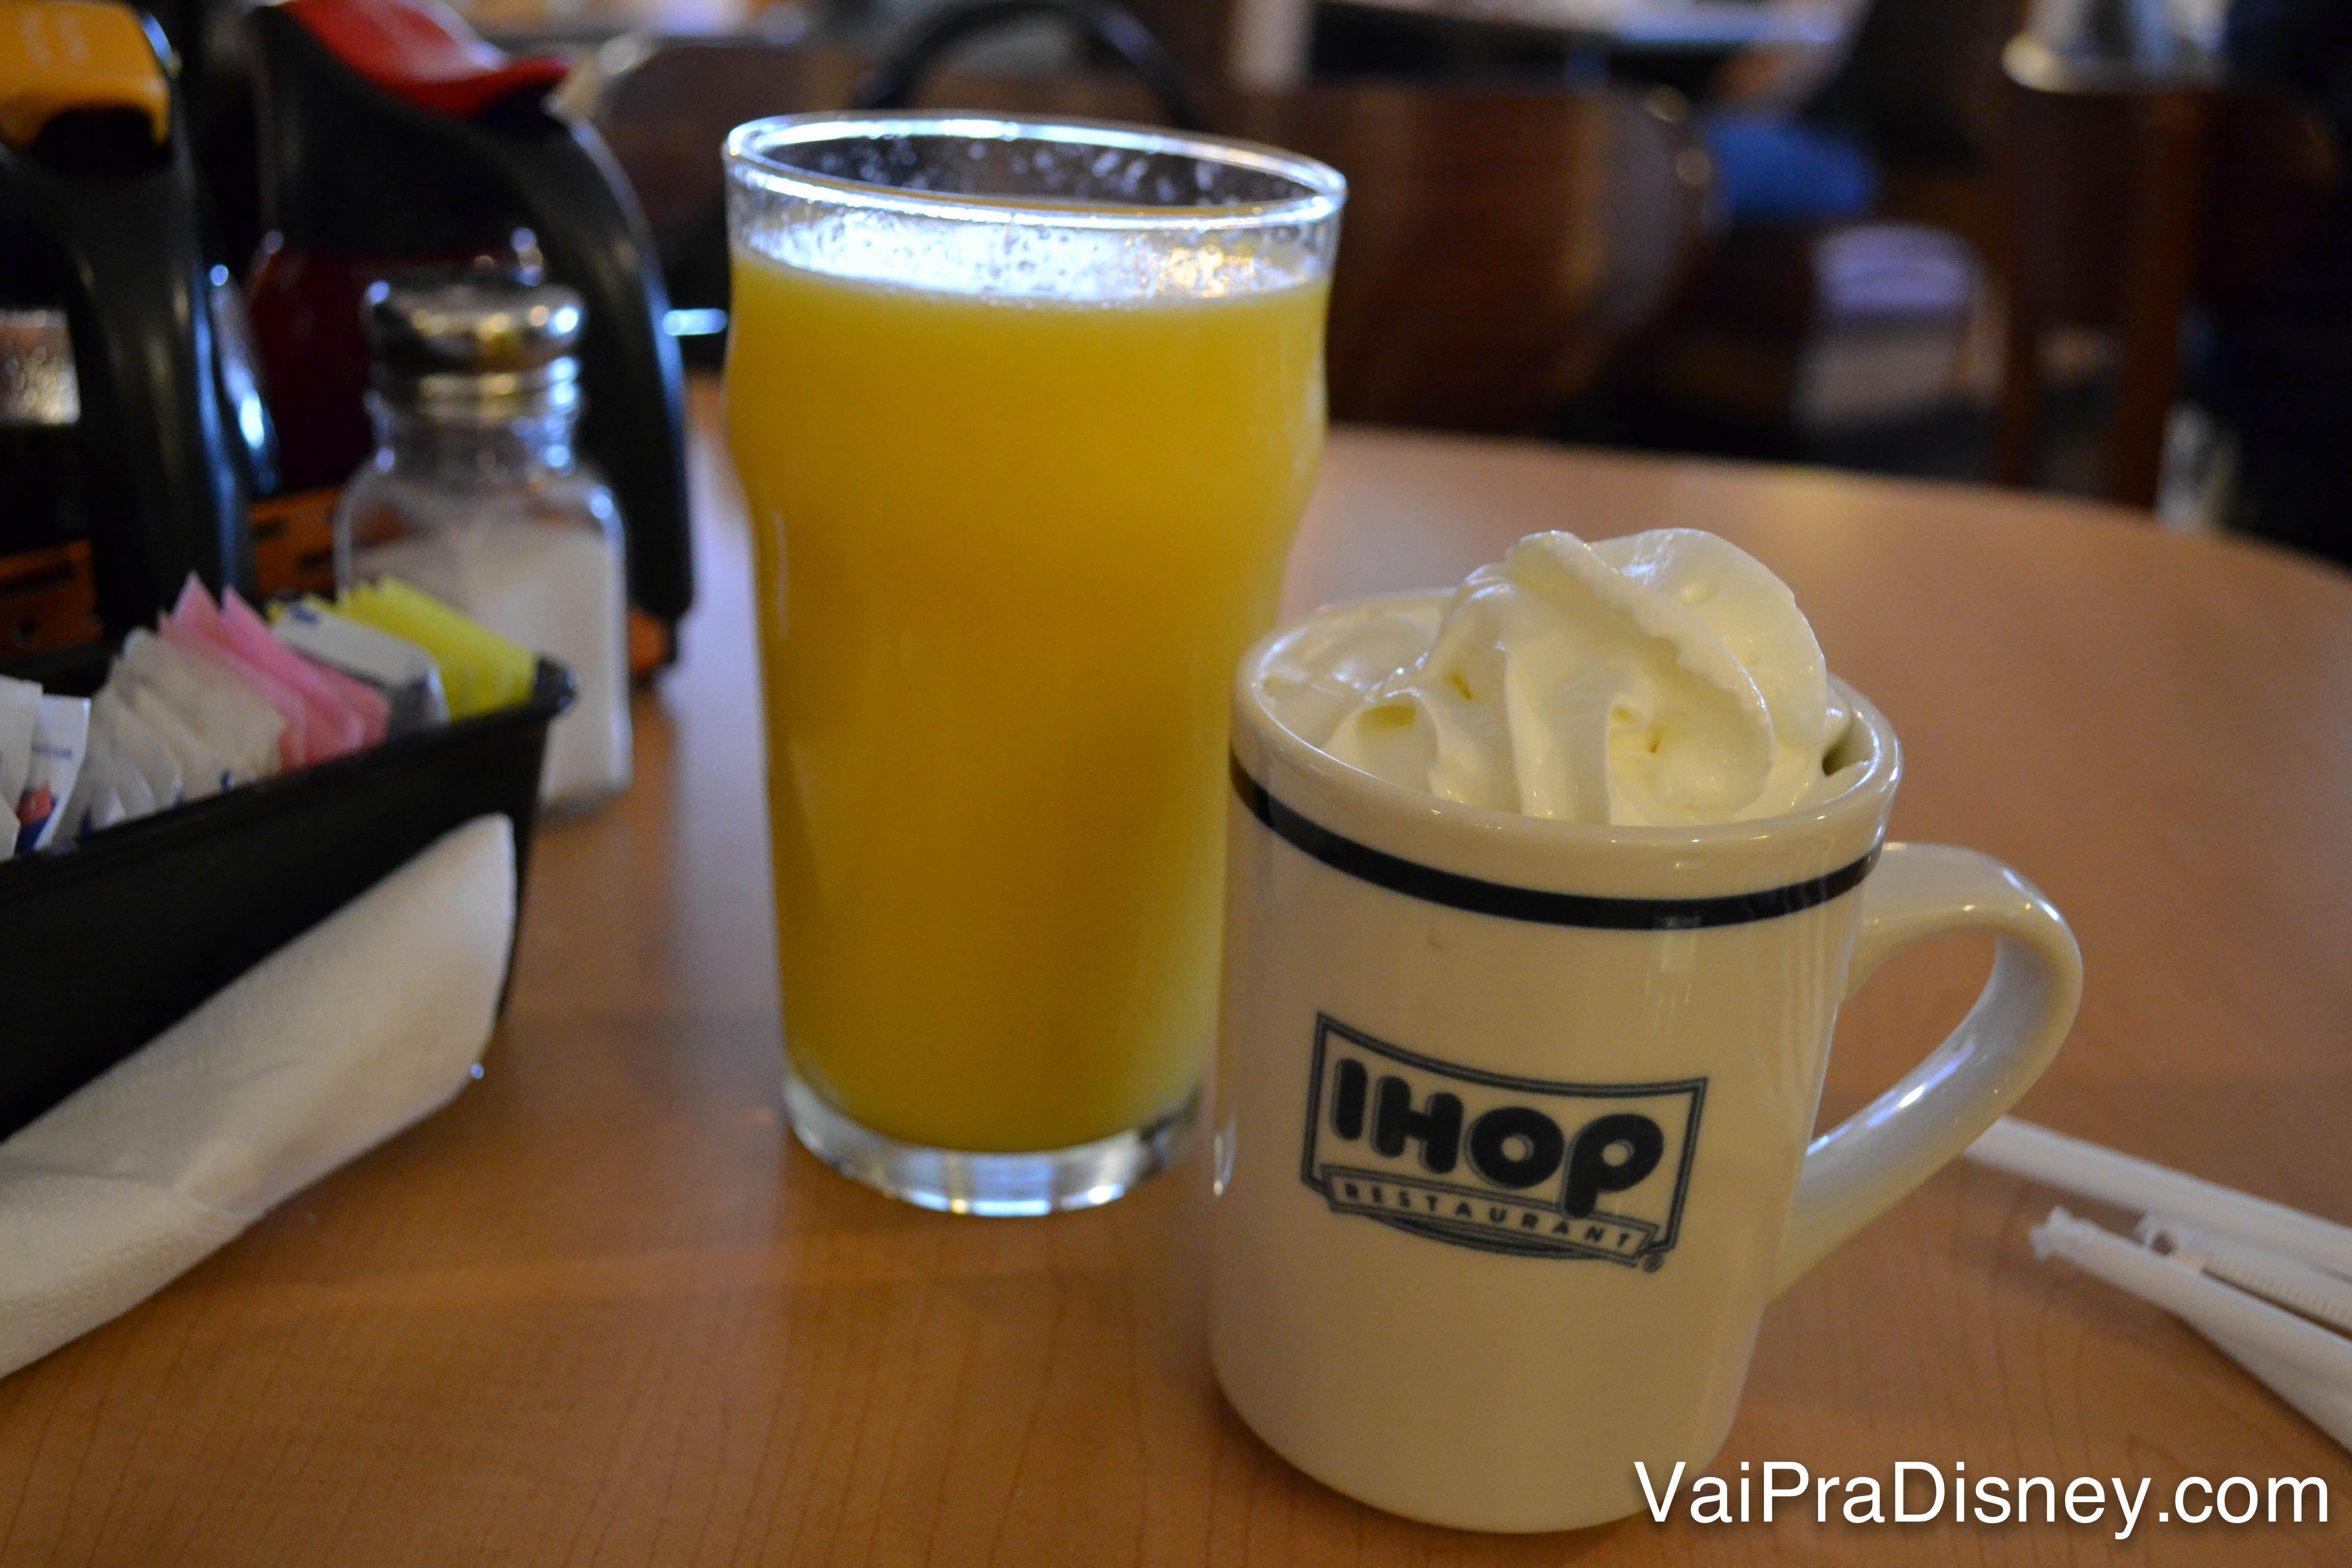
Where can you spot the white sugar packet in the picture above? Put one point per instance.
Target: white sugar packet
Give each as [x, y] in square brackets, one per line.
[20, 710]
[60, 745]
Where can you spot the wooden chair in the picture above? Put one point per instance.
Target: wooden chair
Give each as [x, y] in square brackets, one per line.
[2127, 200]
[1497, 248]
[665, 114]
[1254, 42]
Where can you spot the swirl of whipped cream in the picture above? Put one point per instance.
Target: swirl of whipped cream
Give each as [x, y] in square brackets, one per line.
[1662, 679]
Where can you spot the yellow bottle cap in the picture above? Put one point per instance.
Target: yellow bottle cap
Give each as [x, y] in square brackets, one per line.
[60, 55]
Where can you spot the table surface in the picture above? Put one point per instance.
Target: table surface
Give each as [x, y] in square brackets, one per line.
[602, 1309]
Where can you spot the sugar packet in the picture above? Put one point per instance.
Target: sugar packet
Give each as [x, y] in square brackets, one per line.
[145, 770]
[480, 670]
[363, 708]
[20, 710]
[232, 718]
[187, 629]
[403, 674]
[60, 746]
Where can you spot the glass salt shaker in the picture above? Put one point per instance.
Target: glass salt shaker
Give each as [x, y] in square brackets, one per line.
[475, 496]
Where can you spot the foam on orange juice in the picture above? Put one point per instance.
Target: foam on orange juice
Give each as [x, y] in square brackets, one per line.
[1008, 550]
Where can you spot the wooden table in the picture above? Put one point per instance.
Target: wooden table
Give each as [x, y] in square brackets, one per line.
[603, 1311]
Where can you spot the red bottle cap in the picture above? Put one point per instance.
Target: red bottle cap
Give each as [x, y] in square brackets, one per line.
[420, 51]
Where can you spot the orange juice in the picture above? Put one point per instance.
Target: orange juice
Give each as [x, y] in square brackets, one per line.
[1008, 550]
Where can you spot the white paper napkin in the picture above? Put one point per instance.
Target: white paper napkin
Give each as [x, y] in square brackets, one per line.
[358, 1028]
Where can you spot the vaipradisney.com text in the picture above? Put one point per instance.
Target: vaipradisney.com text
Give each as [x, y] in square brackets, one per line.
[1917, 1492]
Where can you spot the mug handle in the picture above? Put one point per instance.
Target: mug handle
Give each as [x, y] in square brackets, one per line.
[1860, 1168]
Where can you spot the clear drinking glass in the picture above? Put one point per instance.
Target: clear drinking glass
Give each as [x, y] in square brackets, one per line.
[1026, 415]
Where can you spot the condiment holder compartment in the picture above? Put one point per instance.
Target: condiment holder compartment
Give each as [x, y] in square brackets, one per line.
[115, 939]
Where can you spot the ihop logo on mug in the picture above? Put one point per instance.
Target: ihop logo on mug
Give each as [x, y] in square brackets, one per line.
[1504, 1164]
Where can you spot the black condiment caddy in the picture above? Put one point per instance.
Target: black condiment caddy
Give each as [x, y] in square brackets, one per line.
[108, 942]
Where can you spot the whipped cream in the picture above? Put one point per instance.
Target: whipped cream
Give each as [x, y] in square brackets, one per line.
[1662, 679]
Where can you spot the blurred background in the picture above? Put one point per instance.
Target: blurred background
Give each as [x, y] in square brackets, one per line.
[2098, 246]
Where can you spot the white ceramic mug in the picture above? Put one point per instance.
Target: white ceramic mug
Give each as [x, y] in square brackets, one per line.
[1513, 1114]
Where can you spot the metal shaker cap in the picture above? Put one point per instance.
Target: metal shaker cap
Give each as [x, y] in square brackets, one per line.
[38, 384]
[482, 345]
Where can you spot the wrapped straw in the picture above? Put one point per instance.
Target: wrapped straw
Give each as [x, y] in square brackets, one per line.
[2227, 1251]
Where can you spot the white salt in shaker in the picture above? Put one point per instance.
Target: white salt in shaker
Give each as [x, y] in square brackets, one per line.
[475, 496]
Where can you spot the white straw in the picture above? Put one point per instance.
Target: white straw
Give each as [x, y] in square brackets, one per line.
[2274, 1276]
[2144, 1188]
[2221, 1311]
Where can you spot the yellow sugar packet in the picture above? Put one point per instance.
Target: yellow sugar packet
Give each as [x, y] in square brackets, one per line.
[480, 670]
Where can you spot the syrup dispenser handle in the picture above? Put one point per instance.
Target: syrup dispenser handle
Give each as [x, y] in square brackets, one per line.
[102, 179]
[392, 130]
[578, 204]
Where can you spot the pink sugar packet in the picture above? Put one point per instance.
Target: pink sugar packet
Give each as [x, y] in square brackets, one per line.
[194, 628]
[360, 714]
[340, 715]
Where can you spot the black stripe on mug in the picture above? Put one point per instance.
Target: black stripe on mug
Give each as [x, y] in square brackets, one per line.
[1456, 892]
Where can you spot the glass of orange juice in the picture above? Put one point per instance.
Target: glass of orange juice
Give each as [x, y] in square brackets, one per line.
[1026, 415]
